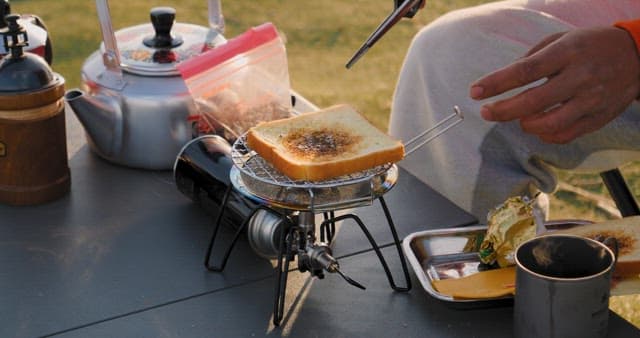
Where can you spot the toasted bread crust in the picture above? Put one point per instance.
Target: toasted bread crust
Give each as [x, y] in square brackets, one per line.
[298, 167]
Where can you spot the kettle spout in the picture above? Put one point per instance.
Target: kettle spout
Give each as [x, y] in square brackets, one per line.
[101, 118]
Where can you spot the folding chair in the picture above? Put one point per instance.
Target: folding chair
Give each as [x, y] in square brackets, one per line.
[620, 193]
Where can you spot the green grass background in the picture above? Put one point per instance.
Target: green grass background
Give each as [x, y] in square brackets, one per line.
[320, 37]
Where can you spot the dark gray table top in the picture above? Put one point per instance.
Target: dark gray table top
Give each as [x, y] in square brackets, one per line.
[122, 256]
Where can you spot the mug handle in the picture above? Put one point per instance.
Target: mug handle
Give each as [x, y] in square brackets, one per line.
[611, 243]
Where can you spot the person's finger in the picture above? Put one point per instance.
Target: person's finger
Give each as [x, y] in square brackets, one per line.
[552, 121]
[532, 101]
[515, 75]
[544, 63]
[546, 41]
[586, 124]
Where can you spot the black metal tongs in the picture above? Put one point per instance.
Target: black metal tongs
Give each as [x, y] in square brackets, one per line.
[402, 9]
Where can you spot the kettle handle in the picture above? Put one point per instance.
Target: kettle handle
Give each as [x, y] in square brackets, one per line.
[216, 19]
[111, 55]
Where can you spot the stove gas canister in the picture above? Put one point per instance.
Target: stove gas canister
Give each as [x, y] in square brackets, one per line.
[202, 173]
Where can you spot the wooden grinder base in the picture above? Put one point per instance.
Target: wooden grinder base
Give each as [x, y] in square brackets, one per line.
[33, 149]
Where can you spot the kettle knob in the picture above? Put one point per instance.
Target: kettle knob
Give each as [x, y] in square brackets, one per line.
[162, 19]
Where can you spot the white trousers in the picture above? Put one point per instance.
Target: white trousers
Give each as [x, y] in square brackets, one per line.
[479, 164]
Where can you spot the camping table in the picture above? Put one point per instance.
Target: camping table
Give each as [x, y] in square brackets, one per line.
[122, 256]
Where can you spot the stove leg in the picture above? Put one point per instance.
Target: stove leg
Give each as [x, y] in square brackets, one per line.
[282, 273]
[325, 232]
[216, 229]
[376, 248]
[398, 245]
[328, 227]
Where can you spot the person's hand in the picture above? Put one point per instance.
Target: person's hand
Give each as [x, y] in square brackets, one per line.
[590, 77]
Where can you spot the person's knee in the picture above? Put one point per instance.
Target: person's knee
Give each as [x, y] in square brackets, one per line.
[456, 31]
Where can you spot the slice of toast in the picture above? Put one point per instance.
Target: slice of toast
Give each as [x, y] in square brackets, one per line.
[324, 144]
[627, 233]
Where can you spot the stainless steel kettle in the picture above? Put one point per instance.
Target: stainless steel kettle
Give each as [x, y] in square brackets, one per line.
[133, 104]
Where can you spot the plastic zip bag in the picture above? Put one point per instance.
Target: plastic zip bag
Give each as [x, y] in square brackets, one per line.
[239, 84]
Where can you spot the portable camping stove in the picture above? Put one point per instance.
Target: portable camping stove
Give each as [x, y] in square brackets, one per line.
[281, 222]
[297, 203]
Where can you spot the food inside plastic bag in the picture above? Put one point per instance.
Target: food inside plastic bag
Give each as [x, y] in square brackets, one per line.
[509, 224]
[239, 84]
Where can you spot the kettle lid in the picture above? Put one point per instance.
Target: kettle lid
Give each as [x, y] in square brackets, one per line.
[155, 49]
[22, 71]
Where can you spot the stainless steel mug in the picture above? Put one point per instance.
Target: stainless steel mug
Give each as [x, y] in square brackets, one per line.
[562, 287]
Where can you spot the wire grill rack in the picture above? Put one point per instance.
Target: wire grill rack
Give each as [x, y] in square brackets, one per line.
[261, 179]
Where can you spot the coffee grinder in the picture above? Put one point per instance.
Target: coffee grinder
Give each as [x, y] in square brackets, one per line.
[33, 150]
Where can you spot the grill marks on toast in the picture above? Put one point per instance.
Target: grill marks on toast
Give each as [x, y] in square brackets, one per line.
[319, 143]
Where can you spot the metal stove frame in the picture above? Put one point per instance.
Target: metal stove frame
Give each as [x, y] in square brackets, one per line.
[293, 235]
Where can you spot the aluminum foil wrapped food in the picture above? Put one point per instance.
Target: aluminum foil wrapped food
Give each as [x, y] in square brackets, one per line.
[509, 224]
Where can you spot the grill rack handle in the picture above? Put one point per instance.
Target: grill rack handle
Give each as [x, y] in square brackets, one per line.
[427, 135]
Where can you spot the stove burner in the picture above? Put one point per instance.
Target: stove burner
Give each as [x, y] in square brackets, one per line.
[256, 178]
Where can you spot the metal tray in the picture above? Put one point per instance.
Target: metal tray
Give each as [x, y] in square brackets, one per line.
[453, 253]
[448, 253]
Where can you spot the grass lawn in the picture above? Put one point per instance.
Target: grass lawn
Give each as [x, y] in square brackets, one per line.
[321, 36]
